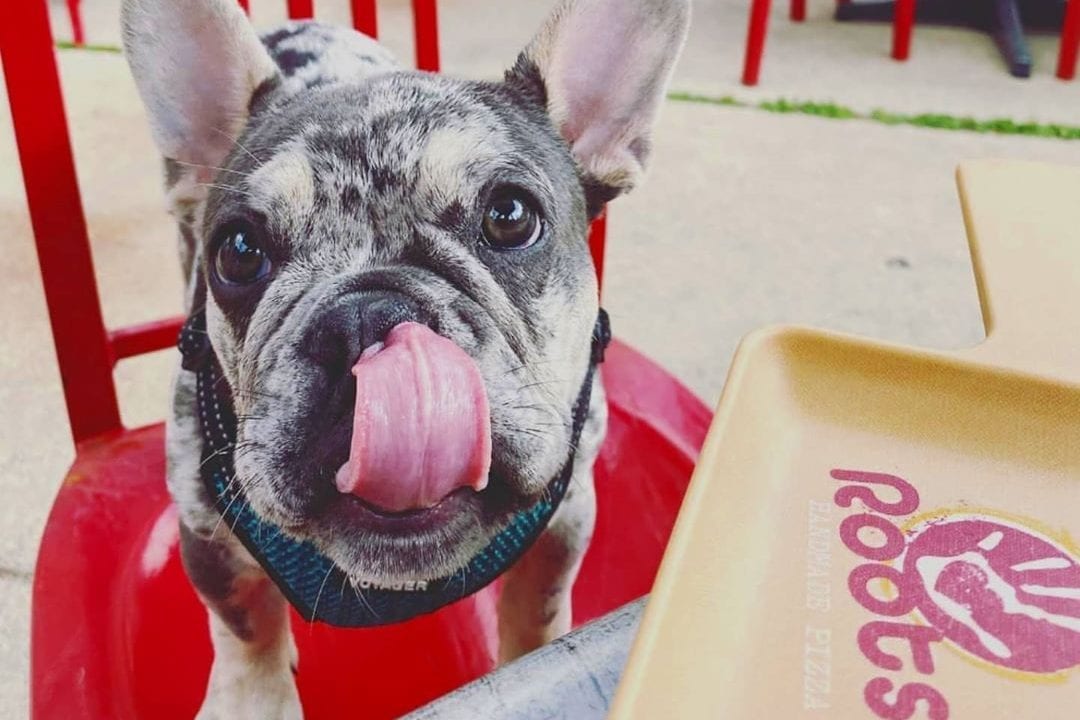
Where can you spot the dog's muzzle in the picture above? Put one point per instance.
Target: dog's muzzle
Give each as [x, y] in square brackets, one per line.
[298, 568]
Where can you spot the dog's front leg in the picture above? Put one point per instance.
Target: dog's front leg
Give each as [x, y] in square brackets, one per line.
[534, 607]
[254, 653]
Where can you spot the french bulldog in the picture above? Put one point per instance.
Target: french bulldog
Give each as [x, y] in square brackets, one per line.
[397, 288]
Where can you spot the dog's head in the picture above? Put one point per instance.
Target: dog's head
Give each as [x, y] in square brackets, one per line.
[394, 264]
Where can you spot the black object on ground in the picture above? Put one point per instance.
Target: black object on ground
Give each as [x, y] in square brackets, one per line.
[1004, 19]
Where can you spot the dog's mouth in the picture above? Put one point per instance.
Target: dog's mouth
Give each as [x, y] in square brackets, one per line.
[421, 428]
[417, 522]
[393, 462]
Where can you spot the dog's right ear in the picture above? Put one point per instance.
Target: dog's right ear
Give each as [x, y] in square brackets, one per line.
[601, 68]
[197, 65]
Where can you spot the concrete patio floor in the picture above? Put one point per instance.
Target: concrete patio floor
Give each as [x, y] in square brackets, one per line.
[747, 218]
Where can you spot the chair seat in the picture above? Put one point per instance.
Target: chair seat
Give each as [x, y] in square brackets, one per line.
[119, 633]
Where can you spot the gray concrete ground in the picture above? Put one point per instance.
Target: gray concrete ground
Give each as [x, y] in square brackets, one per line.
[748, 218]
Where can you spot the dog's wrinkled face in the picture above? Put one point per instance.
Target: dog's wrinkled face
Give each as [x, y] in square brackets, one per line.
[363, 206]
[326, 198]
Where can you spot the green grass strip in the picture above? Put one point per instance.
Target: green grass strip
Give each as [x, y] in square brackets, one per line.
[937, 121]
[68, 45]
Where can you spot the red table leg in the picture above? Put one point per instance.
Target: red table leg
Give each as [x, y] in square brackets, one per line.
[78, 36]
[365, 17]
[798, 10]
[903, 21]
[755, 40]
[426, 21]
[301, 9]
[1070, 41]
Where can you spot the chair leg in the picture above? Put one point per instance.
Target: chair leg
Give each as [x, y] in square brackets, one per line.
[365, 17]
[426, 31]
[597, 241]
[78, 36]
[1070, 41]
[903, 20]
[300, 9]
[798, 10]
[755, 40]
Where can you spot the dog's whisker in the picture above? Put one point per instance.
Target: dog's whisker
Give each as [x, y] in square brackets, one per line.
[540, 384]
[318, 596]
[360, 596]
[341, 590]
[239, 144]
[211, 167]
[227, 188]
[217, 453]
[562, 425]
[542, 408]
[464, 580]
[532, 364]
[543, 387]
[255, 393]
[240, 491]
[221, 516]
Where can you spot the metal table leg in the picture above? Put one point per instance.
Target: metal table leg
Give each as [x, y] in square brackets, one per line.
[1005, 20]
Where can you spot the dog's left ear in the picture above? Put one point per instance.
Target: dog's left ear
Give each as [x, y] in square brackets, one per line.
[602, 68]
[197, 65]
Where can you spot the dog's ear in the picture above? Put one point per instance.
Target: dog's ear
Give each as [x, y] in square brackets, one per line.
[197, 64]
[602, 67]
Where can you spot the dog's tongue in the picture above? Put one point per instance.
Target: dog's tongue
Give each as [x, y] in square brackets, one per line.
[421, 428]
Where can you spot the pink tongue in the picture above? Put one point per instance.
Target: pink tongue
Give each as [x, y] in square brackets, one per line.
[422, 427]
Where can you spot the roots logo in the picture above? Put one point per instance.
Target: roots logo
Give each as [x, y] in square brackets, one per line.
[998, 590]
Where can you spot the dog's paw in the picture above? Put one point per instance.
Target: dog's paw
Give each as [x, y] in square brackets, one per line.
[239, 691]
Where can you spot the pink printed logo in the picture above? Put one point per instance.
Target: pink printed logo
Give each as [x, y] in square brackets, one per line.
[996, 589]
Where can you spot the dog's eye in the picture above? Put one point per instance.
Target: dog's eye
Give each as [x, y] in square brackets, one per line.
[510, 221]
[240, 259]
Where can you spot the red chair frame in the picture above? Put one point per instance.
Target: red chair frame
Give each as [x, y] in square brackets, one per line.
[87, 352]
[364, 15]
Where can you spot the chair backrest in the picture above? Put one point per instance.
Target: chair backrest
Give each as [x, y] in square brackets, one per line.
[56, 215]
[86, 351]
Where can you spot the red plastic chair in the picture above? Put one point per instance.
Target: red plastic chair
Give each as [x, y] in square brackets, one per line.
[903, 27]
[117, 632]
[365, 19]
[758, 26]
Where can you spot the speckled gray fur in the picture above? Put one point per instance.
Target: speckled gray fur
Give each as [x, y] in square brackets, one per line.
[361, 178]
[392, 167]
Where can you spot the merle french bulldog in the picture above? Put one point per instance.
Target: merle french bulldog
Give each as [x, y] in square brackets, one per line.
[393, 273]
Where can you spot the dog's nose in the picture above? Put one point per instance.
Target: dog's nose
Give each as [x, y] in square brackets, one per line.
[355, 322]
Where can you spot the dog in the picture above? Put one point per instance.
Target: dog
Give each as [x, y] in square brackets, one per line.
[396, 286]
